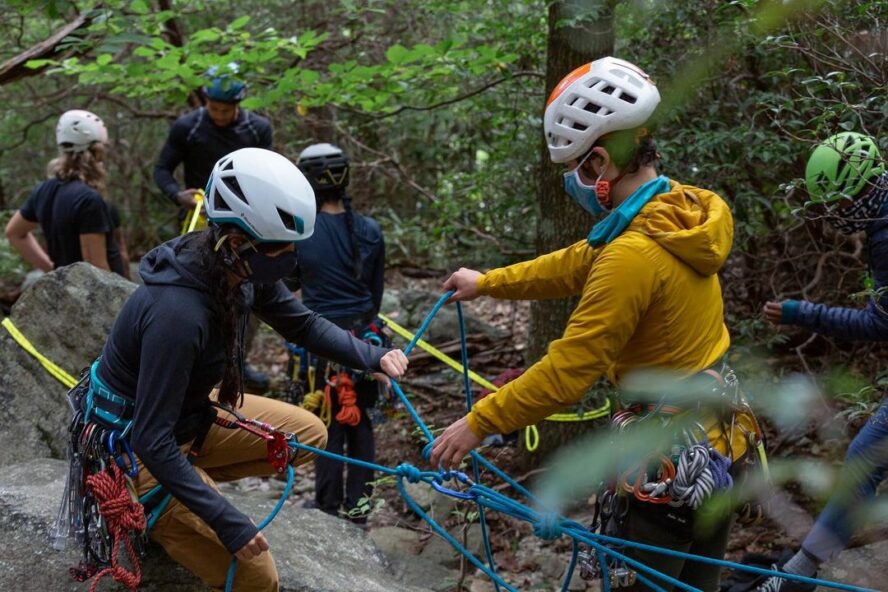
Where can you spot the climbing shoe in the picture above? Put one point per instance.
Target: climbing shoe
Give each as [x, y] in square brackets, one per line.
[254, 381]
[778, 584]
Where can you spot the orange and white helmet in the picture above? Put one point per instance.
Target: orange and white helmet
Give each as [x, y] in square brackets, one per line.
[78, 129]
[597, 98]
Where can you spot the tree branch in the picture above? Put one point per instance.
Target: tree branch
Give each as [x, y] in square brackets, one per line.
[468, 95]
[14, 68]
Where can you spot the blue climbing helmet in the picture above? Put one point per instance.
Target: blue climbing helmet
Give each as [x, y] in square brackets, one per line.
[223, 84]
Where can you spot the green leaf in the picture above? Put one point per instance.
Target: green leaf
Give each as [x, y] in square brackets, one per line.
[397, 54]
[104, 59]
[35, 64]
[139, 7]
[239, 23]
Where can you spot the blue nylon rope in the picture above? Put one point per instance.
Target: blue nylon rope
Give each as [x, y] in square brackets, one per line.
[547, 524]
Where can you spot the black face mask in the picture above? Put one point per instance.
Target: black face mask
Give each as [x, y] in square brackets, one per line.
[262, 269]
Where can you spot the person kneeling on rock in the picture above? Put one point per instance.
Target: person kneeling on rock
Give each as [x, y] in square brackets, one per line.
[181, 333]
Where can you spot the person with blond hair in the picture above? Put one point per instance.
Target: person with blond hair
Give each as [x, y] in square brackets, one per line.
[77, 223]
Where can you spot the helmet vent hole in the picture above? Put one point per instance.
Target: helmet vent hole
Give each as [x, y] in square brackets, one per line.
[228, 166]
[628, 98]
[218, 203]
[234, 186]
[579, 126]
[608, 90]
[288, 220]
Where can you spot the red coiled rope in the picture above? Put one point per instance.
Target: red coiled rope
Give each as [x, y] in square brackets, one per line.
[349, 413]
[122, 515]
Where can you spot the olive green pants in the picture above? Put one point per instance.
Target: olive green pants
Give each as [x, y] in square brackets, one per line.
[228, 455]
[700, 533]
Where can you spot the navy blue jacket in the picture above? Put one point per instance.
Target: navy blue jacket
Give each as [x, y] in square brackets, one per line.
[854, 324]
[166, 352]
[198, 142]
[329, 286]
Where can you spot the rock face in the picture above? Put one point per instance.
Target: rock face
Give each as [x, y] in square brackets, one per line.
[67, 315]
[314, 552]
[865, 566]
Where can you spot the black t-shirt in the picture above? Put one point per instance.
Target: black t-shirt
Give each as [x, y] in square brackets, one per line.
[65, 210]
[198, 143]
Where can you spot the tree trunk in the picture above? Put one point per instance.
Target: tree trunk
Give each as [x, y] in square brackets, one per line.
[579, 31]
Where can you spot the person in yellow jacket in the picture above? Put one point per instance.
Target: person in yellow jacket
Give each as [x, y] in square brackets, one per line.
[650, 296]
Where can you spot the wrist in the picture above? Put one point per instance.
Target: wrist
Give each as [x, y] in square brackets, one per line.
[472, 422]
[789, 311]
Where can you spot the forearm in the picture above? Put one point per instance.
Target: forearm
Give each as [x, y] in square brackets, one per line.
[847, 324]
[169, 466]
[31, 251]
[555, 275]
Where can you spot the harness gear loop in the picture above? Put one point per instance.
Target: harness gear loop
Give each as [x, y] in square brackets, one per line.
[122, 514]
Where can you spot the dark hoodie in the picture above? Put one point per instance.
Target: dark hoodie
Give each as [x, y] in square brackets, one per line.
[166, 352]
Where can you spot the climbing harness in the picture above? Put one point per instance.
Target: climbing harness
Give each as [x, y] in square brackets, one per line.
[196, 219]
[531, 432]
[304, 371]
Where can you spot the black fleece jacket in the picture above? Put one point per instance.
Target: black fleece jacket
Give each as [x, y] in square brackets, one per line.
[166, 352]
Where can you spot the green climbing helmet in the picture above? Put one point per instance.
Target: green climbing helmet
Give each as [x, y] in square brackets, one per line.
[841, 166]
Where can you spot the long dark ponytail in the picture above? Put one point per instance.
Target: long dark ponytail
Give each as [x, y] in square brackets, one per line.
[228, 307]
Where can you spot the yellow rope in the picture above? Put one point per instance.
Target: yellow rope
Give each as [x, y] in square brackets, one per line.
[531, 433]
[57, 373]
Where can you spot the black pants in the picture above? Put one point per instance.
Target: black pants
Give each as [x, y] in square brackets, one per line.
[356, 442]
[699, 533]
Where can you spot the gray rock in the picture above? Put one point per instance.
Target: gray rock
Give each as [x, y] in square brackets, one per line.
[865, 566]
[415, 571]
[416, 304]
[66, 315]
[313, 552]
[394, 540]
[437, 550]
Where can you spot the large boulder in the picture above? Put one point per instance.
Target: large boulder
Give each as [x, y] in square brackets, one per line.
[314, 552]
[66, 315]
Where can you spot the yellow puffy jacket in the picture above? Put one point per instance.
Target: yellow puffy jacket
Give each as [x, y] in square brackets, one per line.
[650, 299]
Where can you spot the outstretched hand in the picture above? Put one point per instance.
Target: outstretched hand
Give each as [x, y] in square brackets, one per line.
[453, 445]
[464, 284]
[773, 312]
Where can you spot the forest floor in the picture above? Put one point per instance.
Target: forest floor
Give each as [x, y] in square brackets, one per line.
[525, 560]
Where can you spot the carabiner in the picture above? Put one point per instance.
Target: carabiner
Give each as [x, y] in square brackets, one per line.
[115, 438]
[437, 484]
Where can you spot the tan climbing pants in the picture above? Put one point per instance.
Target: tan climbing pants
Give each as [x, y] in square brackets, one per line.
[228, 455]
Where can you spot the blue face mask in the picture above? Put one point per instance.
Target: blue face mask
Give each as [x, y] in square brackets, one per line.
[582, 194]
[268, 270]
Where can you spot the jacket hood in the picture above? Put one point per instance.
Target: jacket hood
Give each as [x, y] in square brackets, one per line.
[695, 225]
[163, 265]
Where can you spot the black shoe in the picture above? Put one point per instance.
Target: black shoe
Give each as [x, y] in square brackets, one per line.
[778, 584]
[255, 381]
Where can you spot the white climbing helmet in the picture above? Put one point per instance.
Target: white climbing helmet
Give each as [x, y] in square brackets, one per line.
[263, 193]
[597, 98]
[78, 129]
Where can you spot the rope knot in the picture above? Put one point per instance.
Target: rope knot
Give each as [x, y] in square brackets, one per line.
[409, 472]
[548, 527]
